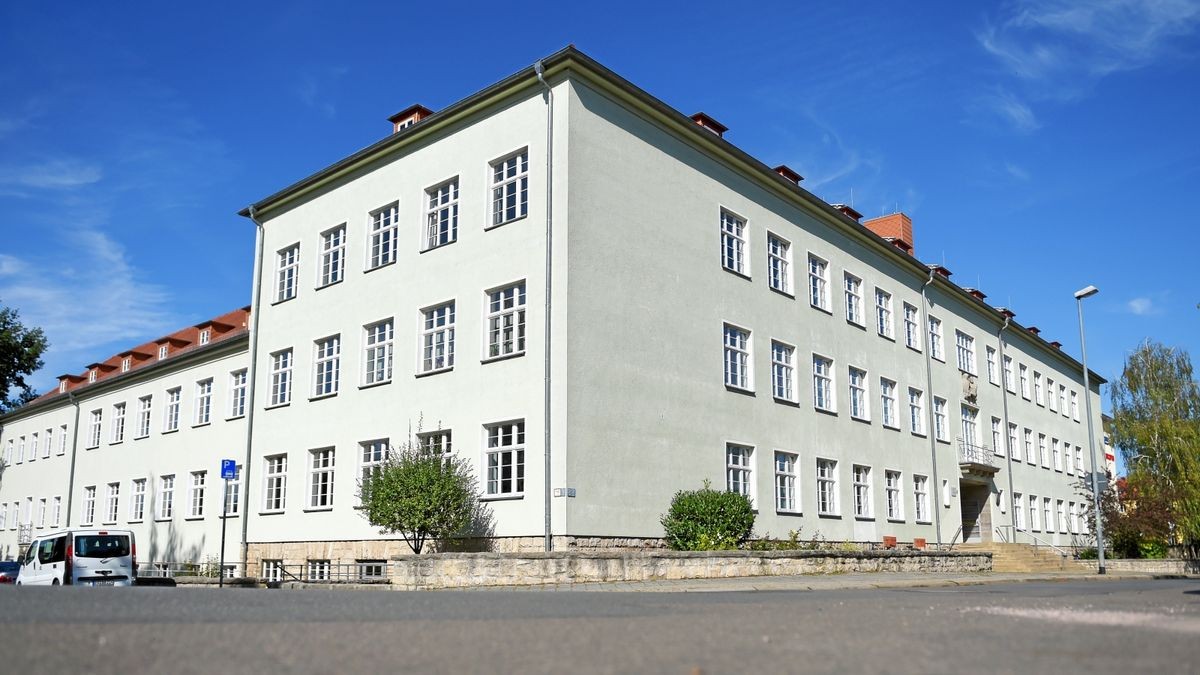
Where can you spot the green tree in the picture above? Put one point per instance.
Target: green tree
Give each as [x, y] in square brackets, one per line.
[423, 494]
[1156, 425]
[21, 352]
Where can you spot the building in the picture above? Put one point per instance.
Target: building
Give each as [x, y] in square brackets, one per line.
[599, 301]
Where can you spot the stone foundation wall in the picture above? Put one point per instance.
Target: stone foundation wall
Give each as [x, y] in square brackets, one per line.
[1163, 566]
[457, 570]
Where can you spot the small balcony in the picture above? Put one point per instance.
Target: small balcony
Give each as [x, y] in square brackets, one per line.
[25, 534]
[976, 462]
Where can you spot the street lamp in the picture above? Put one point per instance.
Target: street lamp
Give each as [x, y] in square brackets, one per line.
[1082, 293]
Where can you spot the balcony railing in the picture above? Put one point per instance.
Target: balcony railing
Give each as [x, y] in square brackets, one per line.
[970, 452]
[25, 534]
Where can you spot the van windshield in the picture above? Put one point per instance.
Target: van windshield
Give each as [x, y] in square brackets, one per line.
[101, 546]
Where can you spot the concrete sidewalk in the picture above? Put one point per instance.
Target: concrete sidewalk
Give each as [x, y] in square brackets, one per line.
[807, 582]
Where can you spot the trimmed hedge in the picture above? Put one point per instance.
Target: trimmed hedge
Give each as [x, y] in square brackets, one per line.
[708, 520]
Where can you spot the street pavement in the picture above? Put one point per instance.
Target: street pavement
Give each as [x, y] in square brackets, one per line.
[926, 624]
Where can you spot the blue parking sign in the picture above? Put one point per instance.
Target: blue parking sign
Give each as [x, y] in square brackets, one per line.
[229, 469]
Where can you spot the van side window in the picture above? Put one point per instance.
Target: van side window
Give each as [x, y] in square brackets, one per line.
[59, 551]
[46, 551]
[29, 552]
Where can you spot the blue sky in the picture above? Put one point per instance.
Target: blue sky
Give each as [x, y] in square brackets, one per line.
[1038, 146]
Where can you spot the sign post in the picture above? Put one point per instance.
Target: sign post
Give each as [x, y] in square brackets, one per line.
[228, 473]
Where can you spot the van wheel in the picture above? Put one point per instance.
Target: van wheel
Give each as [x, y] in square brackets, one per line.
[54, 583]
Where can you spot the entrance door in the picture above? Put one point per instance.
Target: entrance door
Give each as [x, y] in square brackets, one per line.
[975, 522]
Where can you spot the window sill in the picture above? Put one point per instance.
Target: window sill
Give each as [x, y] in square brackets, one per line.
[235, 417]
[924, 522]
[942, 440]
[379, 267]
[194, 518]
[889, 338]
[919, 434]
[169, 431]
[436, 371]
[503, 223]
[138, 438]
[163, 520]
[780, 512]
[865, 518]
[201, 424]
[322, 397]
[787, 402]
[277, 405]
[782, 292]
[317, 509]
[821, 309]
[915, 349]
[864, 420]
[855, 324]
[435, 247]
[324, 286]
[278, 512]
[740, 275]
[90, 447]
[826, 411]
[374, 384]
[739, 390]
[938, 359]
[896, 520]
[229, 515]
[502, 357]
[501, 498]
[280, 302]
[135, 522]
[110, 445]
[829, 515]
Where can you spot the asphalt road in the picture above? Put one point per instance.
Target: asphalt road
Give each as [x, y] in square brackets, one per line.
[1126, 626]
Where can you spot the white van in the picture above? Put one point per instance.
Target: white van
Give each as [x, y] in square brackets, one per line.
[80, 557]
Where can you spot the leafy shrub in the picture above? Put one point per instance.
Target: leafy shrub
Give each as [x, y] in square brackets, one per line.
[1152, 549]
[708, 520]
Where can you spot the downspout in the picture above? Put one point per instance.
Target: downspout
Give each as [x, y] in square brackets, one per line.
[931, 431]
[74, 450]
[251, 378]
[1012, 509]
[539, 70]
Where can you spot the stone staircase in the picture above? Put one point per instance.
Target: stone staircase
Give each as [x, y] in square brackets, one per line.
[1019, 558]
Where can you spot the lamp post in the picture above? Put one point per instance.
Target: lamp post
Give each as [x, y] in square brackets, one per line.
[1082, 293]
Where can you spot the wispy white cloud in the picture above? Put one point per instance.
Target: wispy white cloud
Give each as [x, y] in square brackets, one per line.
[1008, 109]
[10, 265]
[318, 89]
[62, 173]
[1143, 306]
[1016, 171]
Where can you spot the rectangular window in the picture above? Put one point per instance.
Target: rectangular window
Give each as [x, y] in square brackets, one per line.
[921, 498]
[1034, 523]
[171, 419]
[506, 458]
[1037, 388]
[823, 384]
[33, 446]
[196, 494]
[275, 483]
[93, 433]
[970, 426]
[1062, 400]
[818, 282]
[327, 365]
[733, 243]
[318, 570]
[992, 375]
[1058, 464]
[204, 401]
[111, 499]
[378, 342]
[935, 339]
[916, 411]
[237, 393]
[137, 502]
[891, 484]
[965, 348]
[912, 334]
[1062, 516]
[437, 443]
[737, 358]
[272, 570]
[1075, 406]
[333, 256]
[62, 439]
[887, 400]
[1051, 400]
[1043, 452]
[859, 404]
[996, 447]
[1048, 514]
[827, 487]
[883, 313]
[737, 469]
[281, 377]
[205, 338]
[374, 453]
[779, 264]
[383, 236]
[143, 427]
[89, 505]
[510, 188]
[854, 310]
[1079, 460]
[1023, 372]
[785, 483]
[118, 426]
[1009, 383]
[940, 431]
[1019, 510]
[862, 491]
[56, 512]
[506, 321]
[437, 338]
[166, 497]
[126, 362]
[783, 371]
[48, 443]
[320, 493]
[287, 267]
[441, 216]
[1028, 443]
[1013, 449]
[233, 493]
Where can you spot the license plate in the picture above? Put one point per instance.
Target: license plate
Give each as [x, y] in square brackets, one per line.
[104, 583]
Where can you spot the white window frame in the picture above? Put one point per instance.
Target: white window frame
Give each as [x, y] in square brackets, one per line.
[379, 344]
[287, 270]
[824, 383]
[738, 353]
[282, 364]
[1051, 398]
[1074, 405]
[1023, 377]
[852, 286]
[382, 242]
[935, 339]
[992, 375]
[739, 469]
[509, 178]
[818, 282]
[117, 434]
[783, 371]
[372, 454]
[327, 366]
[921, 498]
[1006, 369]
[787, 480]
[1044, 451]
[779, 263]
[940, 420]
[166, 497]
[1013, 449]
[893, 500]
[860, 394]
[997, 440]
[204, 394]
[504, 446]
[145, 411]
[321, 464]
[441, 215]
[964, 345]
[237, 393]
[333, 256]
[916, 411]
[137, 500]
[735, 241]
[828, 500]
[912, 327]
[275, 483]
[504, 321]
[864, 507]
[1034, 515]
[171, 412]
[435, 342]
[231, 494]
[94, 425]
[88, 514]
[884, 318]
[196, 493]
[889, 414]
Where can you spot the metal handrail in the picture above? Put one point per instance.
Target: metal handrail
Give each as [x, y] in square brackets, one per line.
[1061, 552]
[969, 451]
[950, 546]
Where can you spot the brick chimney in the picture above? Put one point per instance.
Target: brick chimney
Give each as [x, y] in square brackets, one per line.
[786, 171]
[1056, 344]
[896, 227]
[709, 123]
[975, 293]
[942, 271]
[848, 211]
[1034, 329]
[1006, 312]
[408, 117]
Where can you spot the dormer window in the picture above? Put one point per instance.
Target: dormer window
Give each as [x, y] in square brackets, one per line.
[92, 375]
[62, 387]
[205, 335]
[125, 365]
[162, 352]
